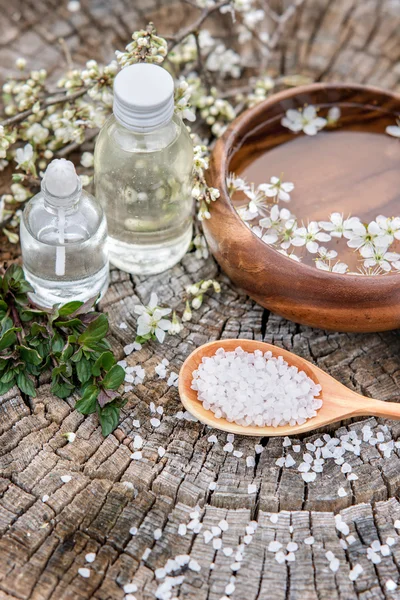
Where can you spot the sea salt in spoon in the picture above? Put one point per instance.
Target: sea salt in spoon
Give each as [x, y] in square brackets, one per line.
[339, 402]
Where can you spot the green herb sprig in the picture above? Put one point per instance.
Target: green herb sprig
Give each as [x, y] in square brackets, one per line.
[70, 341]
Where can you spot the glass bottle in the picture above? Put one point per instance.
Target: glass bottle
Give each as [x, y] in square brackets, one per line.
[143, 173]
[64, 240]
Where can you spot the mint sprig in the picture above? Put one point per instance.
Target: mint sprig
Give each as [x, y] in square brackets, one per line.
[70, 342]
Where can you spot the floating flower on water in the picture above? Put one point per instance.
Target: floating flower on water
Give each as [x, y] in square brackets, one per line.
[151, 320]
[367, 236]
[378, 257]
[337, 226]
[277, 188]
[305, 120]
[309, 237]
[394, 130]
[390, 226]
[333, 116]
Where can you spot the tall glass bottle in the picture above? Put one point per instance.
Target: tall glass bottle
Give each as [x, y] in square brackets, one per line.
[64, 240]
[143, 171]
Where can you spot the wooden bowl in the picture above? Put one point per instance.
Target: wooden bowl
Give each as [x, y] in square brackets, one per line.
[297, 291]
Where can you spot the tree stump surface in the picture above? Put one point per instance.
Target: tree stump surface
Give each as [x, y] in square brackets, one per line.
[44, 543]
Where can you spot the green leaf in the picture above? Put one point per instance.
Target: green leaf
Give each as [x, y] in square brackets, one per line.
[108, 417]
[68, 323]
[83, 370]
[95, 332]
[8, 376]
[4, 387]
[8, 338]
[87, 404]
[25, 384]
[105, 361]
[29, 355]
[69, 308]
[57, 343]
[113, 378]
[62, 389]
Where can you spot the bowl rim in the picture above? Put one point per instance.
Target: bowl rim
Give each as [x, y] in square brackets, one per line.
[228, 145]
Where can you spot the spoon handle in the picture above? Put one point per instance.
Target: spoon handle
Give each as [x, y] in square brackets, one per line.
[378, 408]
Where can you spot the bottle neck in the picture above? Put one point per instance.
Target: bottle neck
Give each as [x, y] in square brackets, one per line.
[68, 204]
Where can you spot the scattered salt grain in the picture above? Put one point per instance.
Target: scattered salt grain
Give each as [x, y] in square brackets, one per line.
[274, 518]
[194, 565]
[255, 389]
[390, 585]
[208, 536]
[247, 539]
[230, 588]
[84, 572]
[136, 455]
[350, 540]
[309, 477]
[212, 486]
[280, 557]
[274, 546]
[90, 557]
[157, 534]
[66, 478]
[355, 572]
[173, 379]
[251, 488]
[390, 541]
[123, 325]
[342, 492]
[309, 540]
[155, 422]
[136, 423]
[137, 442]
[228, 447]
[292, 547]
[146, 554]
[296, 448]
[345, 468]
[289, 461]
[250, 461]
[237, 453]
[286, 442]
[258, 448]
[227, 551]
[385, 550]
[133, 530]
[223, 525]
[334, 565]
[352, 477]
[45, 498]
[161, 452]
[161, 368]
[212, 439]
[182, 529]
[130, 588]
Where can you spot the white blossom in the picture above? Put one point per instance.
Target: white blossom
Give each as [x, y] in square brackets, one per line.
[367, 236]
[337, 226]
[277, 188]
[305, 120]
[151, 319]
[309, 237]
[394, 130]
[87, 159]
[24, 155]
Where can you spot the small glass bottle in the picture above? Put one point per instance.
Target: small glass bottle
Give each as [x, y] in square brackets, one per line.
[64, 240]
[143, 173]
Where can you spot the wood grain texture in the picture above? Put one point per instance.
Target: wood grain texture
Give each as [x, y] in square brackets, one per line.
[296, 291]
[43, 545]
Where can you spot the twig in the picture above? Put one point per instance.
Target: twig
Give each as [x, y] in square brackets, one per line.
[48, 102]
[67, 53]
[63, 152]
[195, 25]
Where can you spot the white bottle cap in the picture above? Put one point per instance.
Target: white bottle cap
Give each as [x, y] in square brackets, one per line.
[60, 183]
[143, 97]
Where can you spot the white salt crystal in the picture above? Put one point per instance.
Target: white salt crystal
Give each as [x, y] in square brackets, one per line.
[274, 546]
[390, 585]
[334, 565]
[229, 589]
[235, 566]
[291, 557]
[343, 544]
[309, 477]
[155, 422]
[137, 442]
[390, 541]
[352, 477]
[251, 488]
[329, 555]
[146, 554]
[90, 557]
[385, 550]
[194, 565]
[66, 478]
[351, 539]
[342, 492]
[292, 547]
[216, 530]
[227, 551]
[157, 534]
[133, 530]
[84, 572]
[223, 525]
[247, 539]
[161, 452]
[280, 557]
[250, 461]
[296, 448]
[212, 485]
[212, 439]
[123, 325]
[274, 518]
[230, 437]
[160, 573]
[258, 448]
[130, 588]
[208, 536]
[217, 543]
[45, 498]
[355, 572]
[237, 453]
[397, 524]
[280, 461]
[286, 442]
[136, 423]
[182, 529]
[228, 447]
[136, 455]
[289, 462]
[345, 468]
[309, 540]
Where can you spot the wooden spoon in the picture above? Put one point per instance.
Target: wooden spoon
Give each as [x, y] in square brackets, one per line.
[339, 402]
